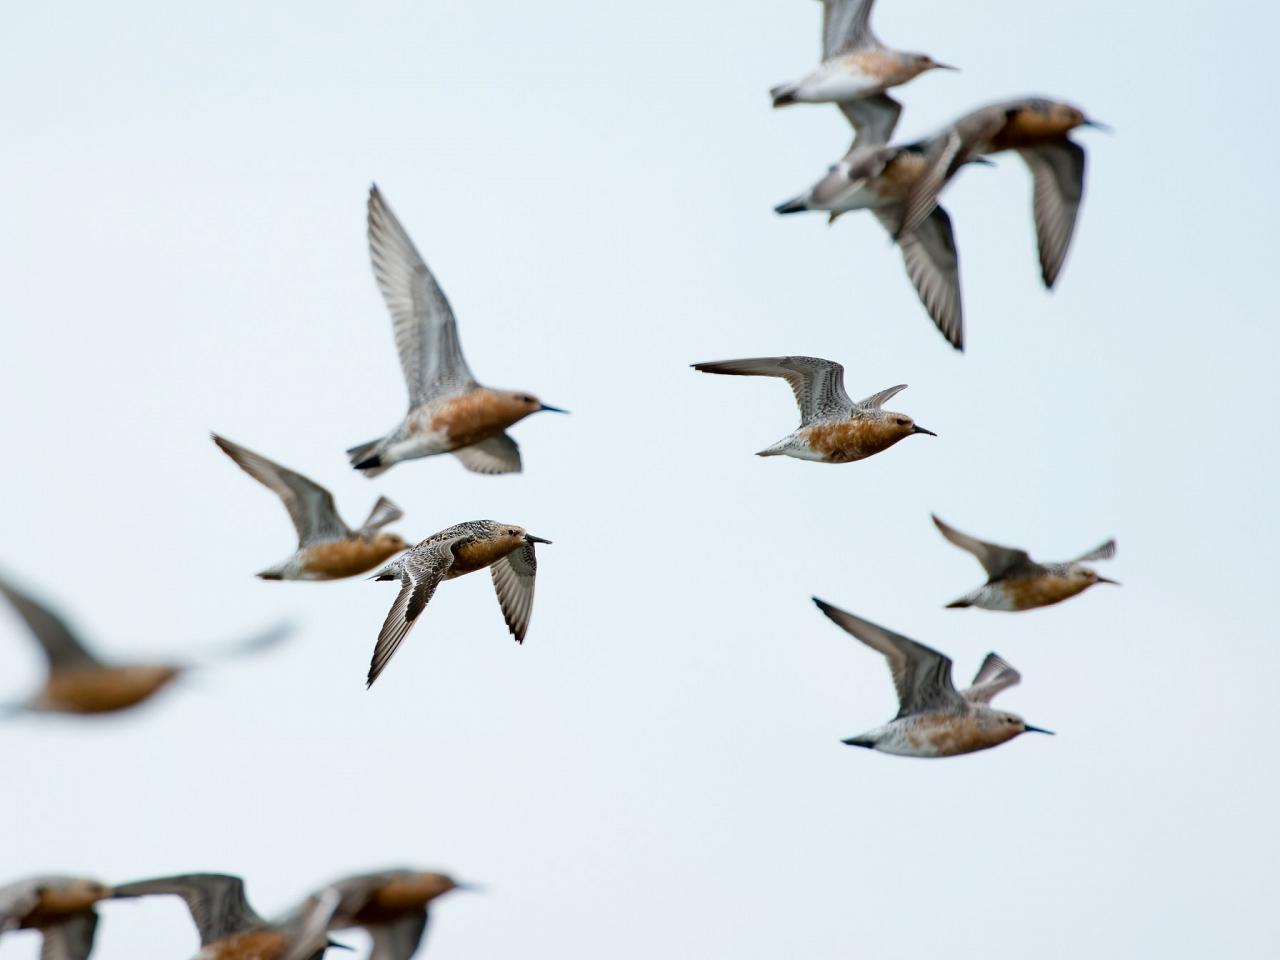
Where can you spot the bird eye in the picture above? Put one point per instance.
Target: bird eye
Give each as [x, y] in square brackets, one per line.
[902, 422]
[511, 533]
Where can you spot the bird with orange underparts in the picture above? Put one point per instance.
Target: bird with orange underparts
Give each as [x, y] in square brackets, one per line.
[833, 429]
[855, 64]
[80, 683]
[1038, 128]
[391, 905]
[61, 908]
[934, 719]
[327, 548]
[449, 412]
[230, 929]
[1016, 582]
[463, 548]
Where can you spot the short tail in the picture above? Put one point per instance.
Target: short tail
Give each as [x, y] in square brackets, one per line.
[957, 604]
[783, 95]
[365, 458]
[860, 742]
[794, 205]
[269, 575]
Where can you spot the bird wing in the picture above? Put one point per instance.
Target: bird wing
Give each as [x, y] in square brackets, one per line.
[17, 900]
[995, 559]
[310, 505]
[817, 384]
[72, 939]
[310, 929]
[216, 901]
[421, 571]
[383, 512]
[873, 119]
[498, 454]
[513, 579]
[933, 266]
[846, 25]
[993, 676]
[945, 154]
[1103, 551]
[1057, 174]
[398, 940]
[921, 675]
[60, 646]
[878, 400]
[425, 330]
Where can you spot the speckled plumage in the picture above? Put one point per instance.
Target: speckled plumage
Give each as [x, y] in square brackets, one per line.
[934, 719]
[833, 428]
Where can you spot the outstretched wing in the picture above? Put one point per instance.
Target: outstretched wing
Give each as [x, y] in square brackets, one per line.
[993, 676]
[498, 454]
[216, 901]
[513, 579]
[846, 25]
[921, 675]
[995, 559]
[60, 647]
[421, 571]
[425, 330]
[873, 119]
[1103, 551]
[1057, 174]
[383, 512]
[398, 940]
[818, 384]
[310, 505]
[933, 266]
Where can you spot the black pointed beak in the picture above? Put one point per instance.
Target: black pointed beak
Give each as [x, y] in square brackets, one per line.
[983, 162]
[1098, 125]
[550, 409]
[1108, 580]
[335, 945]
[1030, 729]
[944, 66]
[919, 429]
[469, 887]
[530, 538]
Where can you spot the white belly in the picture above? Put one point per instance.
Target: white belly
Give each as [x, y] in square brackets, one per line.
[832, 82]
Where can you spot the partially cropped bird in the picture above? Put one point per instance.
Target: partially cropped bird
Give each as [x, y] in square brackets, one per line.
[855, 63]
[463, 548]
[392, 905]
[449, 412]
[78, 682]
[230, 929]
[1016, 582]
[61, 908]
[934, 719]
[327, 548]
[833, 428]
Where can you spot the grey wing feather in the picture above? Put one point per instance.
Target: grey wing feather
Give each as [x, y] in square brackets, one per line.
[17, 900]
[216, 901]
[1057, 172]
[398, 940]
[421, 571]
[921, 675]
[383, 513]
[310, 936]
[818, 384]
[946, 156]
[425, 330]
[992, 677]
[878, 400]
[933, 266]
[1103, 551]
[72, 939]
[846, 26]
[498, 454]
[873, 119]
[310, 505]
[995, 559]
[60, 646]
[513, 580]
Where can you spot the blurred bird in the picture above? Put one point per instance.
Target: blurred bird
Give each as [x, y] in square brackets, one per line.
[833, 429]
[230, 929]
[78, 682]
[327, 548]
[391, 905]
[463, 548]
[855, 63]
[1037, 128]
[449, 412]
[61, 908]
[1016, 582]
[934, 719]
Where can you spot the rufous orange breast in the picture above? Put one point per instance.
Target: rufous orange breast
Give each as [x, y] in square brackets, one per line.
[949, 735]
[400, 895]
[56, 905]
[103, 689]
[469, 557]
[258, 945]
[475, 416]
[347, 558]
[1029, 128]
[852, 440]
[1026, 593]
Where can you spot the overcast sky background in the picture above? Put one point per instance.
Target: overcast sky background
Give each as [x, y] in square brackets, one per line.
[658, 771]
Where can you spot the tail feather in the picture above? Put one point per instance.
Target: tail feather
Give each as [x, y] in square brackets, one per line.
[794, 205]
[957, 604]
[367, 460]
[860, 742]
[783, 95]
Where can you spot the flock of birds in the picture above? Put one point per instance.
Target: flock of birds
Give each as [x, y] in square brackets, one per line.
[451, 412]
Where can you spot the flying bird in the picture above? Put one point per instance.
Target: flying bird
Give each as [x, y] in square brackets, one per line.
[449, 412]
[1016, 582]
[61, 908]
[327, 548]
[78, 682]
[392, 905]
[229, 927]
[855, 63]
[934, 719]
[833, 429]
[463, 548]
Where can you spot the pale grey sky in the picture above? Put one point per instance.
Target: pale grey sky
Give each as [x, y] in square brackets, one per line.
[658, 771]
